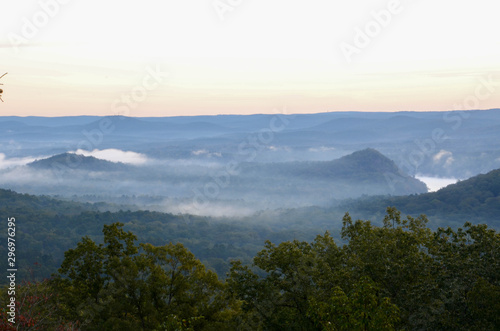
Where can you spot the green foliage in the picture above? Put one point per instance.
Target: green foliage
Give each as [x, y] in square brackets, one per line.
[476, 199]
[398, 276]
[304, 287]
[362, 309]
[401, 275]
[118, 285]
[469, 274]
[48, 227]
[37, 307]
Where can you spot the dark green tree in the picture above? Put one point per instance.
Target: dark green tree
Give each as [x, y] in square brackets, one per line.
[119, 285]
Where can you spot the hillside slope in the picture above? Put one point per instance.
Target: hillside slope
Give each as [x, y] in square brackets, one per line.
[71, 161]
[476, 199]
[365, 172]
[47, 227]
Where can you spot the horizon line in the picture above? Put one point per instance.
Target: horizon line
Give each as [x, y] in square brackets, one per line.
[257, 114]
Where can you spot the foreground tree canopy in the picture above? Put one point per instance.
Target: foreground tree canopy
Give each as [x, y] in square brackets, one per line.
[401, 275]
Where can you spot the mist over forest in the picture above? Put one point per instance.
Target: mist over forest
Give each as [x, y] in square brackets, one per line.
[236, 165]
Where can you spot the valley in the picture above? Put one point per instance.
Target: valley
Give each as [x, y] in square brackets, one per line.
[278, 176]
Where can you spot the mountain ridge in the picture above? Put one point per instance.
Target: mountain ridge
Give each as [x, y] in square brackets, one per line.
[476, 199]
[73, 161]
[366, 171]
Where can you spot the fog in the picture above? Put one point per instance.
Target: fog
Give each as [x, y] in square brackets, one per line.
[210, 187]
[435, 183]
[6, 163]
[115, 155]
[239, 165]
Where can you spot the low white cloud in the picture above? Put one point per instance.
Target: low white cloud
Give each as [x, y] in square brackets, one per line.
[321, 149]
[199, 152]
[6, 163]
[213, 209]
[442, 153]
[115, 155]
[449, 161]
[435, 183]
[279, 148]
[205, 152]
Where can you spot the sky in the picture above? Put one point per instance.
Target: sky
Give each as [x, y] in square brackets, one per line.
[169, 58]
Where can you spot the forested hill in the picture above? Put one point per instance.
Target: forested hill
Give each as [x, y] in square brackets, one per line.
[366, 165]
[476, 199]
[12, 202]
[366, 172]
[370, 172]
[67, 161]
[47, 227]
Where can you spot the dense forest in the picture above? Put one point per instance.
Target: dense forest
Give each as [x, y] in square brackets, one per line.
[48, 227]
[476, 199]
[401, 275]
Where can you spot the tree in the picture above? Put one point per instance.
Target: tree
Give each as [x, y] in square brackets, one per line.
[395, 257]
[303, 286]
[36, 308]
[118, 285]
[399, 275]
[281, 298]
[468, 276]
[362, 309]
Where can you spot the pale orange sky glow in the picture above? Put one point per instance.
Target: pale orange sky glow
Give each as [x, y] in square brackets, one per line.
[166, 58]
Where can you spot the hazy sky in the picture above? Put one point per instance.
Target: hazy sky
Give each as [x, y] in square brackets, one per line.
[163, 58]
